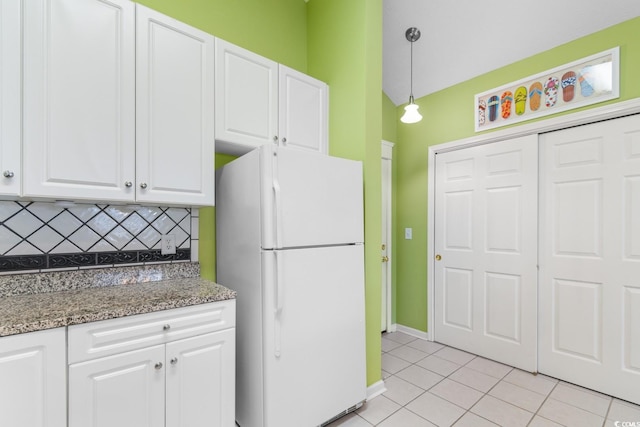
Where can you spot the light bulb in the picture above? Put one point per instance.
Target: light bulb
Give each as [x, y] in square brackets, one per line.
[411, 114]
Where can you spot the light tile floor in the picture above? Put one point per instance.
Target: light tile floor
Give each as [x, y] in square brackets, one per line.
[429, 384]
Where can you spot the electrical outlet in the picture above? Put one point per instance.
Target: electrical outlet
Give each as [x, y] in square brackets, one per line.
[168, 244]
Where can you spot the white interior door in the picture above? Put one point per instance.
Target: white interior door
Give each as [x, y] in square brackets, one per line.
[590, 256]
[486, 246]
[387, 153]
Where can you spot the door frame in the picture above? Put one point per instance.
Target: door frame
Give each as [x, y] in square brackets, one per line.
[610, 111]
[387, 201]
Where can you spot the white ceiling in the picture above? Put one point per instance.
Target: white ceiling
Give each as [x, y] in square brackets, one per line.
[462, 39]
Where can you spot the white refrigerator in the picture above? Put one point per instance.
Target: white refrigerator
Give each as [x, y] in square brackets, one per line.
[289, 232]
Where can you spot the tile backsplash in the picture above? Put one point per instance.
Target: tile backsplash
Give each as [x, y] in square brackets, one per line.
[38, 236]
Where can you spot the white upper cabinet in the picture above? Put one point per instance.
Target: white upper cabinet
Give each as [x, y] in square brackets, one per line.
[118, 104]
[303, 111]
[10, 97]
[246, 99]
[79, 99]
[174, 111]
[260, 102]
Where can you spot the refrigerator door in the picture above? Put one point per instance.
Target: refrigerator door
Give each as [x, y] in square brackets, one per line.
[310, 199]
[314, 334]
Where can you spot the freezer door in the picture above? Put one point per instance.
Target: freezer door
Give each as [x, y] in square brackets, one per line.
[314, 334]
[310, 199]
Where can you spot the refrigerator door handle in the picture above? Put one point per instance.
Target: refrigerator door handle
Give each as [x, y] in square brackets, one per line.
[277, 197]
[277, 312]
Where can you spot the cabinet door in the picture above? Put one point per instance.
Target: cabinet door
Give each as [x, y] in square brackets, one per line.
[246, 99]
[303, 111]
[126, 390]
[10, 97]
[79, 99]
[201, 381]
[32, 379]
[174, 111]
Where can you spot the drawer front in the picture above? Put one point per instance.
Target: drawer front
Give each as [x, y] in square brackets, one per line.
[107, 337]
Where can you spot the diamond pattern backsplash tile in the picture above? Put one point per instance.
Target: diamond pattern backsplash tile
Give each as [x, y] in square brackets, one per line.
[46, 230]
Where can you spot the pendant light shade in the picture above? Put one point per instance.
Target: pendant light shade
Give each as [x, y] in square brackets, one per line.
[411, 114]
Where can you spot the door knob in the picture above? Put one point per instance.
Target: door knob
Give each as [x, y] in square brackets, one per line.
[8, 174]
[438, 257]
[158, 365]
[384, 246]
[385, 259]
[143, 185]
[174, 360]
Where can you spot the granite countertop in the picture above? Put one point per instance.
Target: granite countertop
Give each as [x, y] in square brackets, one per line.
[80, 299]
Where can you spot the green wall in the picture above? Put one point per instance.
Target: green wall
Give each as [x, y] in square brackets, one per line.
[389, 133]
[339, 42]
[345, 50]
[448, 116]
[276, 29]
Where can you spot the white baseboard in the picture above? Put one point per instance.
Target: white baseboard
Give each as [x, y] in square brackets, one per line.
[375, 389]
[413, 332]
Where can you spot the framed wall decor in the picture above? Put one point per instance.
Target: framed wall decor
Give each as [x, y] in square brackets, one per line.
[583, 82]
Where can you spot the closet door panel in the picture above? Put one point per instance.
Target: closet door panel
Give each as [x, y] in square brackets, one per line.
[486, 239]
[590, 256]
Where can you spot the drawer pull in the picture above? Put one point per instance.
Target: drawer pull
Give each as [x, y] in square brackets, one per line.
[158, 366]
[166, 327]
[174, 360]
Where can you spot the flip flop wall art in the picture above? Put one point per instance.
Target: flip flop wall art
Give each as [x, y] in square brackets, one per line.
[583, 82]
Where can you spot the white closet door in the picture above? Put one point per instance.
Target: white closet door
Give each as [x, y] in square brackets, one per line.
[590, 256]
[486, 236]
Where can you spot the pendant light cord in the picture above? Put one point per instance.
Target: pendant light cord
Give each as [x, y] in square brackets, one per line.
[411, 78]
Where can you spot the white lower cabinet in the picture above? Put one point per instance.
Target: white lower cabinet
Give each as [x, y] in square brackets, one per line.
[200, 378]
[33, 379]
[123, 390]
[182, 382]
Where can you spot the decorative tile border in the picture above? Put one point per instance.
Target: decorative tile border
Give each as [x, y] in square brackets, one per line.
[87, 259]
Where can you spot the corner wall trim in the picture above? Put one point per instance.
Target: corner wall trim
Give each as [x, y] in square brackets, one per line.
[413, 332]
[375, 389]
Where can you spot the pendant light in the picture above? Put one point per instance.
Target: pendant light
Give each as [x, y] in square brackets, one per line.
[411, 114]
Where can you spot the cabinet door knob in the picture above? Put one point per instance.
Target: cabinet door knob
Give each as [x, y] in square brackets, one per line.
[158, 365]
[128, 184]
[275, 138]
[143, 185]
[284, 140]
[8, 174]
[166, 327]
[174, 360]
[438, 257]
[385, 259]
